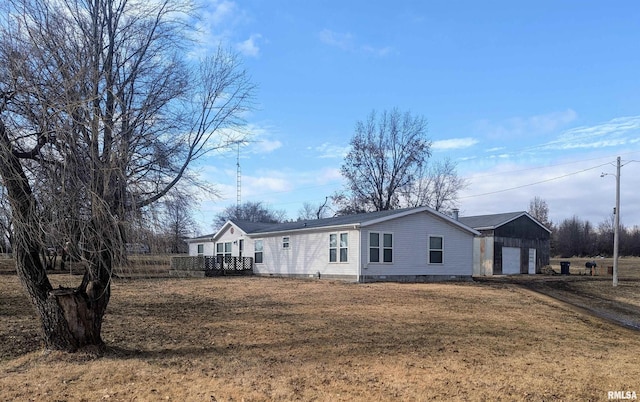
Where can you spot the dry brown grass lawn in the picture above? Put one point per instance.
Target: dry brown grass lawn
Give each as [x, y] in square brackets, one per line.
[253, 338]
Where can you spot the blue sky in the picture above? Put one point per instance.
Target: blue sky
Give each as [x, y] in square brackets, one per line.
[529, 98]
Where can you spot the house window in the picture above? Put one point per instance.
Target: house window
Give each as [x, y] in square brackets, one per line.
[380, 247]
[285, 242]
[344, 246]
[223, 249]
[200, 249]
[258, 251]
[387, 244]
[374, 247]
[338, 251]
[436, 249]
[333, 247]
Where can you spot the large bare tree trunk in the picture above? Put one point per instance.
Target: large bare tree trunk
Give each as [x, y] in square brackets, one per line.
[70, 318]
[103, 118]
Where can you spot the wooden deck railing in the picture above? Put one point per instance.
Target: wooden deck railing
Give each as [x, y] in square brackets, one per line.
[214, 265]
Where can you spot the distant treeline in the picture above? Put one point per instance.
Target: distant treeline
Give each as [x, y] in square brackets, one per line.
[577, 238]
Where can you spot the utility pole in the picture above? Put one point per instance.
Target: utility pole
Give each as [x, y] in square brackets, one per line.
[616, 229]
[616, 221]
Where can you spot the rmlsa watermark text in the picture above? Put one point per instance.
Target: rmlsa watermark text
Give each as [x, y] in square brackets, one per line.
[622, 395]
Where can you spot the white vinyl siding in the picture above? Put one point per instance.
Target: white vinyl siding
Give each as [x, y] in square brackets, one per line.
[235, 239]
[309, 254]
[411, 247]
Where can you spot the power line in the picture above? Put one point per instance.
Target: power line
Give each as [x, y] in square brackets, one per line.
[533, 184]
[558, 164]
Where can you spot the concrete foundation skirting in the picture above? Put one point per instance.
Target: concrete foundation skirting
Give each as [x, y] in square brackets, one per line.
[377, 278]
[415, 278]
[346, 278]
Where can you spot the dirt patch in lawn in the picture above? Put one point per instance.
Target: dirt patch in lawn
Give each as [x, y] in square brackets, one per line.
[233, 339]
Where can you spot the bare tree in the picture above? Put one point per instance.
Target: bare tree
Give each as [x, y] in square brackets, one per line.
[311, 211]
[178, 220]
[539, 209]
[574, 238]
[605, 235]
[387, 152]
[349, 204]
[251, 211]
[100, 116]
[436, 186]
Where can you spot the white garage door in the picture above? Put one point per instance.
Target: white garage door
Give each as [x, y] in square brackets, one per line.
[510, 260]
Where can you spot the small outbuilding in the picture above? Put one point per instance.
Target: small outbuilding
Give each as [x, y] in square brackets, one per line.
[509, 244]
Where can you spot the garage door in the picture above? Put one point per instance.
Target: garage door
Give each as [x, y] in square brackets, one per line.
[510, 260]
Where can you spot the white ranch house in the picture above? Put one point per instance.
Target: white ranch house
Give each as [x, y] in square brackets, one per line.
[414, 244]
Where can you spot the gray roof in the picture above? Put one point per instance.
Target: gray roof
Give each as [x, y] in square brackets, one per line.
[250, 227]
[488, 222]
[364, 219]
[335, 221]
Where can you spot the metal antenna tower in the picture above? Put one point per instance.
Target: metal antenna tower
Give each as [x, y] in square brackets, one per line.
[238, 182]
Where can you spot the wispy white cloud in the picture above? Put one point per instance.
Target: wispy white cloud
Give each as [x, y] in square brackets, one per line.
[222, 11]
[616, 132]
[327, 150]
[454, 143]
[377, 51]
[342, 41]
[260, 139]
[346, 41]
[250, 46]
[256, 185]
[329, 175]
[529, 126]
[221, 22]
[266, 146]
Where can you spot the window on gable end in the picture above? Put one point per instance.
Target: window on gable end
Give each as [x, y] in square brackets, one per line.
[436, 249]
